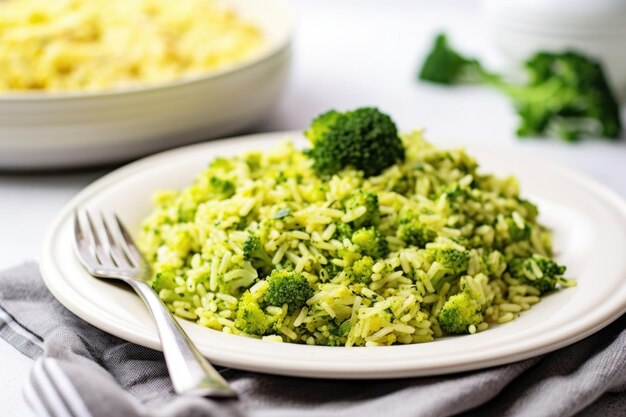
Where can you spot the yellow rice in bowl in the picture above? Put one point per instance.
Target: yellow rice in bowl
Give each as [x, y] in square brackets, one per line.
[77, 45]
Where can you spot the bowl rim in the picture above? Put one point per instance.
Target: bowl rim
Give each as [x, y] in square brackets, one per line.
[272, 50]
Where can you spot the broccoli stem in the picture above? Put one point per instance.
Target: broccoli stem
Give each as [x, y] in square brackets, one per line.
[566, 95]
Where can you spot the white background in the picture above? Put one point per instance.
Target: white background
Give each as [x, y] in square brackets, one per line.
[346, 54]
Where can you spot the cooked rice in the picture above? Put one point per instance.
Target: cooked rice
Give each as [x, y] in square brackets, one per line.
[199, 237]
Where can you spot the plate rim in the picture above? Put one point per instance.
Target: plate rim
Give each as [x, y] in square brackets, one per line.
[274, 366]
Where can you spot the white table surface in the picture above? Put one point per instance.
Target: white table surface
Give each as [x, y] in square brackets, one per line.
[346, 54]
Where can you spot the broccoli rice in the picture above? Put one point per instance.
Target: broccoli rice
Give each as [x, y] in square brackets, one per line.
[262, 245]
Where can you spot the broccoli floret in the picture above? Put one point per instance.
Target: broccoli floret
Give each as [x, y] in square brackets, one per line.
[233, 286]
[344, 230]
[252, 319]
[444, 65]
[164, 280]
[371, 242]
[549, 267]
[453, 260]
[288, 288]
[537, 271]
[457, 193]
[223, 187]
[361, 270]
[321, 125]
[365, 139]
[567, 94]
[348, 256]
[453, 264]
[459, 312]
[515, 232]
[413, 232]
[254, 253]
[370, 202]
[251, 246]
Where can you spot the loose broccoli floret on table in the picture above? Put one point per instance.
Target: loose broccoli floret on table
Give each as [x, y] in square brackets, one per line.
[444, 65]
[537, 271]
[371, 242]
[566, 94]
[365, 139]
[289, 288]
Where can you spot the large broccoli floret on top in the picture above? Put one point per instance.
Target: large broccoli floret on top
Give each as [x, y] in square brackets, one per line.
[537, 271]
[459, 312]
[567, 94]
[289, 288]
[370, 202]
[321, 125]
[365, 139]
[371, 241]
[252, 319]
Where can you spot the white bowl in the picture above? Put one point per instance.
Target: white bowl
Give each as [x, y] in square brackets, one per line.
[597, 28]
[62, 130]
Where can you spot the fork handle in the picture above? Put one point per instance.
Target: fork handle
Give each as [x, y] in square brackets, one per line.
[189, 371]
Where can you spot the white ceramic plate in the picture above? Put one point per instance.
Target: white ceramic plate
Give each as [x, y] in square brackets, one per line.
[588, 220]
[62, 130]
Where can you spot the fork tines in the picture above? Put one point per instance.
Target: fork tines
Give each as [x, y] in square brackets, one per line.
[103, 242]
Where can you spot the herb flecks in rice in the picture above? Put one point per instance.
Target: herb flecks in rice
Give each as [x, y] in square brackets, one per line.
[443, 232]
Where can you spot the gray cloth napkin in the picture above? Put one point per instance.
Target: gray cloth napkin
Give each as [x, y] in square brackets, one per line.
[102, 375]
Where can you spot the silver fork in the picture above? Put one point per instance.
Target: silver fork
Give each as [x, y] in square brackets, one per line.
[106, 250]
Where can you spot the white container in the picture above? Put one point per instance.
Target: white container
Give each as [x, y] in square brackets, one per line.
[64, 130]
[594, 27]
